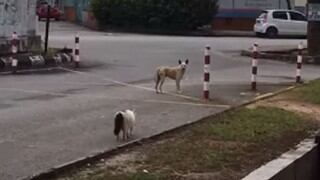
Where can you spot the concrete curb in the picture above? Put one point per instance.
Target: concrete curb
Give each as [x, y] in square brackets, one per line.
[293, 164]
[91, 159]
[32, 70]
[281, 56]
[27, 61]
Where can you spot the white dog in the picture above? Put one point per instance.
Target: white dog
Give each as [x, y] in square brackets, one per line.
[175, 73]
[124, 121]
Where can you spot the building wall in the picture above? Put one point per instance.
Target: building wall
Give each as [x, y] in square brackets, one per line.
[254, 4]
[79, 11]
[18, 16]
[241, 14]
[301, 3]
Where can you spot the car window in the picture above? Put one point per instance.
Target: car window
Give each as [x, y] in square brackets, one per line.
[280, 15]
[263, 14]
[297, 17]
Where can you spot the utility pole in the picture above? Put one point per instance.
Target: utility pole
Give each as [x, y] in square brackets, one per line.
[289, 4]
[47, 30]
[313, 27]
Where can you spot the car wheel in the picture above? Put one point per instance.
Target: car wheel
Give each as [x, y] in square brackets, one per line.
[57, 19]
[272, 32]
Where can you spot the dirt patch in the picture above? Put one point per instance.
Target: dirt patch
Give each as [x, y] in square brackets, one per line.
[292, 105]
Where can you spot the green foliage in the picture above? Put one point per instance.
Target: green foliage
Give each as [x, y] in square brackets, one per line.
[309, 93]
[258, 125]
[155, 14]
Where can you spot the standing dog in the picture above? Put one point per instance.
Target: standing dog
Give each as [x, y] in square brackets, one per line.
[124, 121]
[175, 73]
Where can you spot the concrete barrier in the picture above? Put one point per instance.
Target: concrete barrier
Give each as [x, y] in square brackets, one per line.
[299, 164]
[34, 61]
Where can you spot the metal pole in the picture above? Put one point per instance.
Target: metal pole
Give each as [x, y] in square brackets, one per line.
[77, 51]
[14, 51]
[254, 68]
[313, 28]
[47, 30]
[299, 63]
[206, 80]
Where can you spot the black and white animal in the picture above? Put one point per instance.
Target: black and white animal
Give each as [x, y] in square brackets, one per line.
[124, 121]
[176, 73]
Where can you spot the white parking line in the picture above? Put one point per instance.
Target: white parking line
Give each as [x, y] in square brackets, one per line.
[130, 85]
[116, 82]
[114, 98]
[32, 91]
[30, 70]
[186, 103]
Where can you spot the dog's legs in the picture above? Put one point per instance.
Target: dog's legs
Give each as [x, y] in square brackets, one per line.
[128, 134]
[124, 135]
[131, 131]
[161, 83]
[178, 86]
[157, 79]
[156, 87]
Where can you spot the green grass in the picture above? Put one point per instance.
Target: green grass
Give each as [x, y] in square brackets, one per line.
[105, 175]
[228, 142]
[309, 93]
[231, 144]
[258, 126]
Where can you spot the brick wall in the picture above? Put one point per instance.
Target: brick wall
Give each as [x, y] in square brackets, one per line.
[70, 14]
[241, 24]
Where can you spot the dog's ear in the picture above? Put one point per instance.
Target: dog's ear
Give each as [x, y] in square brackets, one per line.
[180, 61]
[187, 61]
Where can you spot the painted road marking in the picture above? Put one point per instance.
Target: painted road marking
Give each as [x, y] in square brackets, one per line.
[113, 98]
[131, 85]
[29, 70]
[186, 103]
[32, 91]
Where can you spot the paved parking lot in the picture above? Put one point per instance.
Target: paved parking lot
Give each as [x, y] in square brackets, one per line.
[51, 117]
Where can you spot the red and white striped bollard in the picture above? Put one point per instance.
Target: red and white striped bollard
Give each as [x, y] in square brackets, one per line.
[299, 63]
[254, 65]
[14, 51]
[77, 51]
[206, 81]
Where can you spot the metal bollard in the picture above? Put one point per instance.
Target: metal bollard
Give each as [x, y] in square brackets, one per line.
[254, 65]
[206, 80]
[14, 51]
[77, 51]
[299, 63]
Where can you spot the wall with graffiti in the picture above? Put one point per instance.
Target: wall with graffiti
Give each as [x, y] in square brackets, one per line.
[19, 16]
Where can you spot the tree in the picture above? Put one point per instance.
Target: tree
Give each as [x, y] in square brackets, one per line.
[313, 34]
[163, 15]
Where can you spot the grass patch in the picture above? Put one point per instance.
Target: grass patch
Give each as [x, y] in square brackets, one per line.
[104, 175]
[227, 147]
[231, 141]
[256, 126]
[309, 93]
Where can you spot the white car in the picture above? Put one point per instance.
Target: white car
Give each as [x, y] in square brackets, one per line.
[272, 23]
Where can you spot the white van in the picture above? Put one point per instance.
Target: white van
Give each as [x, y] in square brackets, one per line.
[272, 23]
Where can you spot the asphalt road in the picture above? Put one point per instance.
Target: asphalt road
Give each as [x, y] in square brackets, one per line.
[48, 118]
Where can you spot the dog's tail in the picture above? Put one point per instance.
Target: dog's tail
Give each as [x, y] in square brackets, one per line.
[118, 123]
